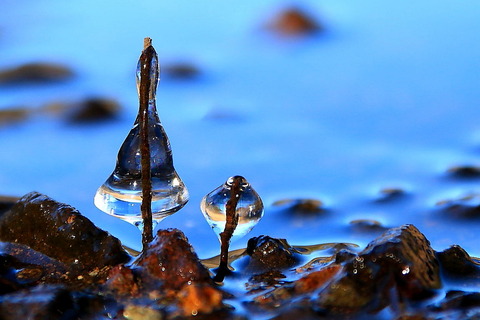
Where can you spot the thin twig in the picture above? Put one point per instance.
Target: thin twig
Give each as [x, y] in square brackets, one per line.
[145, 89]
[230, 226]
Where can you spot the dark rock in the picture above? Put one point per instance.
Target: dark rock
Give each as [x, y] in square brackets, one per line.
[465, 207]
[301, 206]
[401, 259]
[459, 300]
[367, 225]
[457, 262]
[268, 253]
[94, 109]
[60, 232]
[171, 259]
[181, 70]
[8, 280]
[303, 312]
[295, 22]
[35, 72]
[41, 302]
[464, 172]
[85, 111]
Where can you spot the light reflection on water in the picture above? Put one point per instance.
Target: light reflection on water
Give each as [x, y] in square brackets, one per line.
[386, 98]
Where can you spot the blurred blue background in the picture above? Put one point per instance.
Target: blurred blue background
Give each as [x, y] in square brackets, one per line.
[385, 96]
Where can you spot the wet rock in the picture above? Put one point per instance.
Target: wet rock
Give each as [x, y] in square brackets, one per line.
[35, 72]
[400, 260]
[60, 232]
[301, 206]
[464, 172]
[268, 253]
[8, 280]
[40, 302]
[294, 21]
[181, 70]
[171, 259]
[467, 207]
[459, 300]
[457, 262]
[28, 267]
[315, 280]
[297, 290]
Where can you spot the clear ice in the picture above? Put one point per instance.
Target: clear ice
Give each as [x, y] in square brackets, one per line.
[249, 208]
[121, 194]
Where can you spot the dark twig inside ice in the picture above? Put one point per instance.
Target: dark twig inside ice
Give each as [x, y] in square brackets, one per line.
[230, 226]
[145, 88]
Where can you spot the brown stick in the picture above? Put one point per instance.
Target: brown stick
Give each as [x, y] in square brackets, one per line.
[144, 93]
[230, 226]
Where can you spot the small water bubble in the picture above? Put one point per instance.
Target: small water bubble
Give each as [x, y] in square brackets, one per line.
[249, 208]
[121, 194]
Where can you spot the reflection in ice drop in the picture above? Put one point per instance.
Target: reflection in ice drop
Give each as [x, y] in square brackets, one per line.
[249, 207]
[121, 194]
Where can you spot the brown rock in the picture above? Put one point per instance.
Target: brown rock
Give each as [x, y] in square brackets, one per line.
[171, 258]
[295, 22]
[199, 298]
[123, 281]
[456, 261]
[60, 232]
[301, 206]
[14, 115]
[316, 280]
[36, 72]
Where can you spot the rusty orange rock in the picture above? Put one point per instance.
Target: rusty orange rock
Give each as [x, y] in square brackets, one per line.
[198, 298]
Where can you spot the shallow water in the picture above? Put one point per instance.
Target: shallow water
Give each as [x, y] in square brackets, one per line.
[386, 97]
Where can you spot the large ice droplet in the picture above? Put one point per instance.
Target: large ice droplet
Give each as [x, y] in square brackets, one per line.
[249, 208]
[121, 194]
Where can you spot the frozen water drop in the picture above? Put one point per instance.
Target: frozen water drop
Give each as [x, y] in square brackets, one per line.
[121, 194]
[249, 208]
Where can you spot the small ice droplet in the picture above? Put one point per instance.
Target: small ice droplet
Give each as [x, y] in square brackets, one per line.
[121, 194]
[249, 208]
